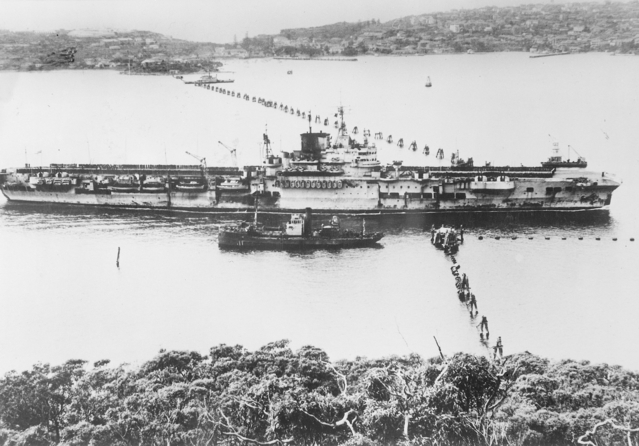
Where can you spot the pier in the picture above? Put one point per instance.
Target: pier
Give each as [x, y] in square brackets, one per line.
[330, 59]
[535, 56]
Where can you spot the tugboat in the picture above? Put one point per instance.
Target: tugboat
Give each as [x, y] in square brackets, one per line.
[298, 234]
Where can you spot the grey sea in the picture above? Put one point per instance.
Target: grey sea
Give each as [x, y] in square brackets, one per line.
[542, 289]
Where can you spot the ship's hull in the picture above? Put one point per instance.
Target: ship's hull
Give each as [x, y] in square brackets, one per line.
[450, 192]
[243, 240]
[206, 202]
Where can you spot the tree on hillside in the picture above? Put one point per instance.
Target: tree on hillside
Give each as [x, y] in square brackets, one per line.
[38, 400]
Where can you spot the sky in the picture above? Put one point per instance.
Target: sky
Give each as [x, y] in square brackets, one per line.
[217, 21]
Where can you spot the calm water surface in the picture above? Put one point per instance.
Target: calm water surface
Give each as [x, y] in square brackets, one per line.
[63, 297]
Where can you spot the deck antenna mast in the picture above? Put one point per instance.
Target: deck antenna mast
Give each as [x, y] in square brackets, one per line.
[555, 145]
[88, 148]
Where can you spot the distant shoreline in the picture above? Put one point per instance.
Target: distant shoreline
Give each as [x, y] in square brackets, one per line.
[324, 59]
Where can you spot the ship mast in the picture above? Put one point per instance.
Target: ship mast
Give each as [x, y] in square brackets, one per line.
[342, 125]
[267, 145]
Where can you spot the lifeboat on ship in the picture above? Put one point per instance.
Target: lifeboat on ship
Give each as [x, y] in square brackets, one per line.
[196, 184]
[125, 183]
[232, 184]
[495, 185]
[153, 184]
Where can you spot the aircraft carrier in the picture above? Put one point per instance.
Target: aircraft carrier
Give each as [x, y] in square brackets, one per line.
[329, 175]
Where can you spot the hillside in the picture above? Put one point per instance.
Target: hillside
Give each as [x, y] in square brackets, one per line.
[538, 28]
[142, 51]
[277, 396]
[340, 30]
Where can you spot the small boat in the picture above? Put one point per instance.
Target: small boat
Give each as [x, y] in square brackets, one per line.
[428, 82]
[232, 183]
[298, 234]
[446, 238]
[557, 161]
[153, 184]
[191, 184]
[209, 79]
[289, 72]
[580, 163]
[125, 183]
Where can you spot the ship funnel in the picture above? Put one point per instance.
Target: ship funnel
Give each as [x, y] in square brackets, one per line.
[313, 144]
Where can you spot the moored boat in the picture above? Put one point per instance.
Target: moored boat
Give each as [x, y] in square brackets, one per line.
[556, 160]
[210, 79]
[446, 238]
[298, 234]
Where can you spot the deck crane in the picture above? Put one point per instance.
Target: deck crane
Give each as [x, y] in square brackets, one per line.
[579, 157]
[201, 159]
[233, 152]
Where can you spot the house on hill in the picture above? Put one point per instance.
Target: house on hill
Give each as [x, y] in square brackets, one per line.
[280, 41]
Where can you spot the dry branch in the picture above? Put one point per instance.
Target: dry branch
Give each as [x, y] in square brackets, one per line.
[582, 439]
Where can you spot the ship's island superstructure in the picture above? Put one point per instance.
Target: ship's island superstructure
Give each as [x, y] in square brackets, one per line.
[326, 174]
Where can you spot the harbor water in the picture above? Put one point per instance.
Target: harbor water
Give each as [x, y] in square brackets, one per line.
[542, 289]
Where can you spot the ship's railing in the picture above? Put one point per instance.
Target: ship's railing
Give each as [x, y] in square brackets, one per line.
[476, 169]
[132, 168]
[521, 172]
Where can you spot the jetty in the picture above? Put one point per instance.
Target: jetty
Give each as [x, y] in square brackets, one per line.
[535, 56]
[331, 59]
